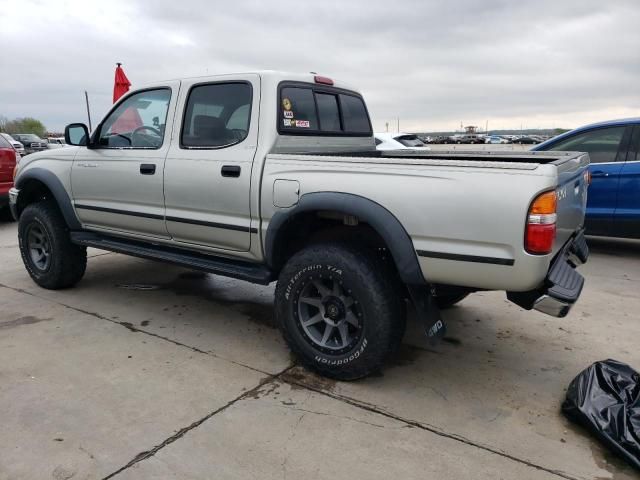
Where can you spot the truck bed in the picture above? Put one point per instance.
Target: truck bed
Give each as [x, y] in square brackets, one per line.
[456, 204]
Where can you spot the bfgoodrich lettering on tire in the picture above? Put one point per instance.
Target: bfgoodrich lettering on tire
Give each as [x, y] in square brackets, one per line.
[338, 312]
[47, 252]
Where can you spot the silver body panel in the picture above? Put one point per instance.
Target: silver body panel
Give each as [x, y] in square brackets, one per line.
[455, 207]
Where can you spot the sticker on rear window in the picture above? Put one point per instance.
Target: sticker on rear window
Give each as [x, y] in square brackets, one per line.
[288, 114]
[286, 104]
[301, 123]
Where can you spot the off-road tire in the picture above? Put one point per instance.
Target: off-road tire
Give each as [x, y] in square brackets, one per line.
[448, 301]
[67, 261]
[376, 304]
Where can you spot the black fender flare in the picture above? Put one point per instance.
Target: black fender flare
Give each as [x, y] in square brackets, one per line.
[378, 217]
[53, 183]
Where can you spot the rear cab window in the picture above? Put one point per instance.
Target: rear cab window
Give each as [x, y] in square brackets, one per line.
[310, 109]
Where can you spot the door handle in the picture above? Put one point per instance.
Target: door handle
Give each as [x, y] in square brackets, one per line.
[147, 168]
[230, 171]
[599, 174]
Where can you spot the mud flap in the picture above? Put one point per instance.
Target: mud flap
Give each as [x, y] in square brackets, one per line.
[428, 312]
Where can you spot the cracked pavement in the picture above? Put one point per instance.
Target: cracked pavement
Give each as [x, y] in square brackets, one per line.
[146, 370]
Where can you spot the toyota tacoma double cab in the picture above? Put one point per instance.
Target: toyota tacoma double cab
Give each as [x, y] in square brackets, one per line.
[272, 176]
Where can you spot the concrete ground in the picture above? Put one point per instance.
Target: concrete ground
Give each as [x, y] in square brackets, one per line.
[151, 371]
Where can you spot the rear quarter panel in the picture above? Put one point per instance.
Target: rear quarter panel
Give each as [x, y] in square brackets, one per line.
[446, 206]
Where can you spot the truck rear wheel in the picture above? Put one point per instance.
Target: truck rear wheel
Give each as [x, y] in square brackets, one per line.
[49, 256]
[338, 312]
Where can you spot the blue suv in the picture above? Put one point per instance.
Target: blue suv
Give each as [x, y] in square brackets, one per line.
[613, 205]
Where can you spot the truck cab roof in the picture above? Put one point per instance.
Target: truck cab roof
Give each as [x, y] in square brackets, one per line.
[267, 76]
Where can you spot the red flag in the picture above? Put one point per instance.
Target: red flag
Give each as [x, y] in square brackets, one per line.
[127, 122]
[121, 84]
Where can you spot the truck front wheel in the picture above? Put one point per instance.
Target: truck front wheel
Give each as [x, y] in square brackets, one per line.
[49, 256]
[338, 312]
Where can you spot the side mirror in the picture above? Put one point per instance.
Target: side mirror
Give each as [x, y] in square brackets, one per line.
[76, 134]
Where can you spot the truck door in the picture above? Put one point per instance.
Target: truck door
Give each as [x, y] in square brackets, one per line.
[117, 183]
[208, 169]
[627, 215]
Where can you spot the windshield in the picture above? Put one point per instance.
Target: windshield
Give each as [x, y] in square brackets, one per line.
[29, 137]
[410, 141]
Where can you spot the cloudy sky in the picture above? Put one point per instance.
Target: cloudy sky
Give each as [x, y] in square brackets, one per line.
[433, 64]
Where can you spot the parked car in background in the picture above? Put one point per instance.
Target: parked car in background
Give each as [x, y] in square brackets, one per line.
[613, 206]
[495, 139]
[56, 142]
[32, 143]
[398, 141]
[525, 140]
[14, 143]
[470, 138]
[9, 158]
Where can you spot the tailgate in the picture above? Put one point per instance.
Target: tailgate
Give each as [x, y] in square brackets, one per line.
[572, 198]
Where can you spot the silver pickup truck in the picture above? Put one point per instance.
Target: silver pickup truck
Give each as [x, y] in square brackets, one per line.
[275, 177]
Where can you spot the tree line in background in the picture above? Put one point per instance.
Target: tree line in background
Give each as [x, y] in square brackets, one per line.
[23, 125]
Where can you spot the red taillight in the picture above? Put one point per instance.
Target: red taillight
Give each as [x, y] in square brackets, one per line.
[541, 224]
[323, 80]
[540, 238]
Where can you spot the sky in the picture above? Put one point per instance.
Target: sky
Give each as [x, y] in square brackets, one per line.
[431, 64]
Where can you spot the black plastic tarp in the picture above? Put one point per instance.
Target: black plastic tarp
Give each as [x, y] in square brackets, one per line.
[605, 398]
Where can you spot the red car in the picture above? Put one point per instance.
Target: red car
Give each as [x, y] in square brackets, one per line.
[8, 160]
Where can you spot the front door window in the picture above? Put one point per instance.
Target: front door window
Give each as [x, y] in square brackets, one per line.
[138, 122]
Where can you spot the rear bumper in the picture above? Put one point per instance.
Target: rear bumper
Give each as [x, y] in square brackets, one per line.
[562, 285]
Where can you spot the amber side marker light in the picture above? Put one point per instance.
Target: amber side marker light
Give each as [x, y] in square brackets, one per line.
[541, 224]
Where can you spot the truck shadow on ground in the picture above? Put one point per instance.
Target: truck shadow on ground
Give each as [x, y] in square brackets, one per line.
[472, 333]
[472, 336]
[165, 298]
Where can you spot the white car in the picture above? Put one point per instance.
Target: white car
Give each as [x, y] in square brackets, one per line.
[495, 139]
[56, 142]
[399, 141]
[18, 147]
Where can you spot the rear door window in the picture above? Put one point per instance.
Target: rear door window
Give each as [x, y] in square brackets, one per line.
[217, 115]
